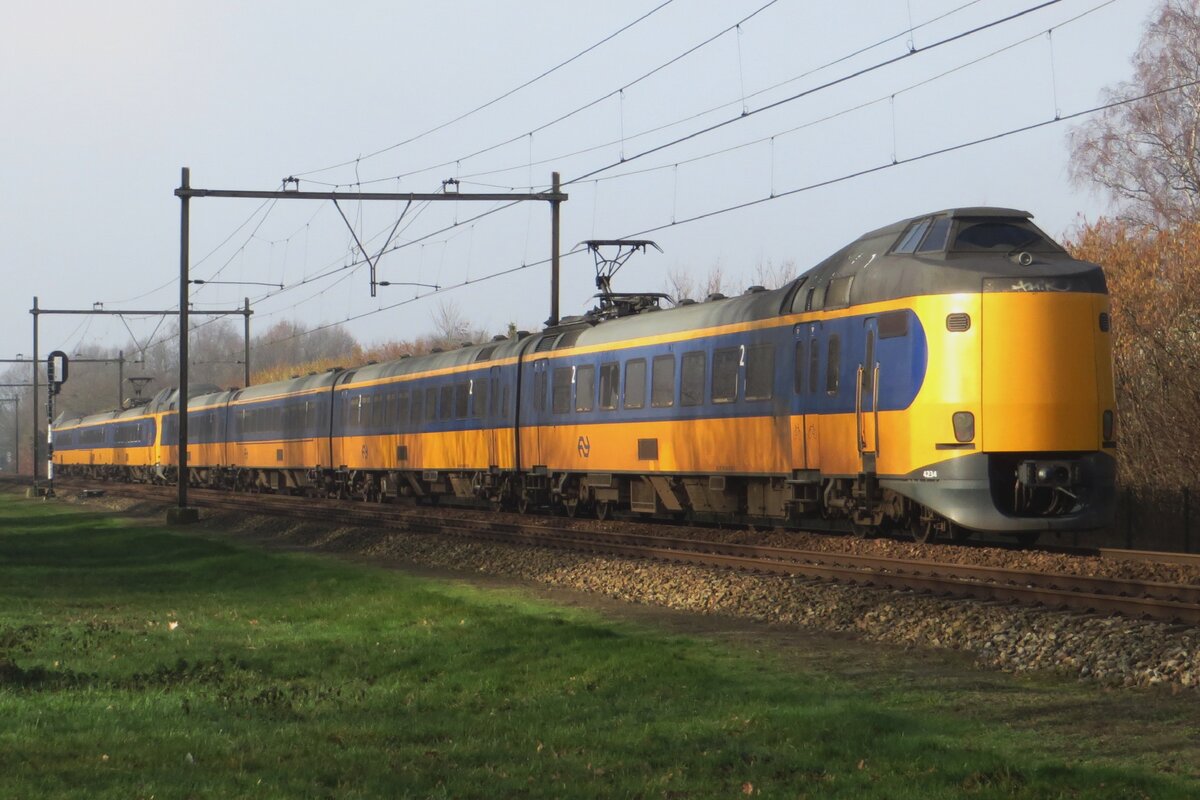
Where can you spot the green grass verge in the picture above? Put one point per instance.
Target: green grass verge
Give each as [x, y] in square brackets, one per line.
[290, 675]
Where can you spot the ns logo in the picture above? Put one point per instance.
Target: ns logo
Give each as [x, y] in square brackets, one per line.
[584, 447]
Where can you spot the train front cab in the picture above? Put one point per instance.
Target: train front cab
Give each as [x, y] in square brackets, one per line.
[1014, 424]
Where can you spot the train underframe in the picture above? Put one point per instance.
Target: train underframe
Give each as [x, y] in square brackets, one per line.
[1020, 495]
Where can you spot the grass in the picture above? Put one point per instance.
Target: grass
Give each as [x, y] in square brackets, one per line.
[138, 662]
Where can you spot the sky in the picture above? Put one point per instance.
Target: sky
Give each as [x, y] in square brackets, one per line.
[104, 103]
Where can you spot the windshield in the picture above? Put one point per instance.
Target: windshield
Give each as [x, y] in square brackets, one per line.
[989, 236]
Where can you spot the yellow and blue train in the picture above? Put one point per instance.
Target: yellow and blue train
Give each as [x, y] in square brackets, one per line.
[946, 374]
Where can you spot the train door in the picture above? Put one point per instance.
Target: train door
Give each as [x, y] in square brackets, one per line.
[541, 384]
[866, 404]
[812, 389]
[492, 419]
[799, 371]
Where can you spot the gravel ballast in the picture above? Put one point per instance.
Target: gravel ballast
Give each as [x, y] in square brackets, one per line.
[1112, 651]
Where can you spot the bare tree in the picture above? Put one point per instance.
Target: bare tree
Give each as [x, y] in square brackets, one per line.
[1146, 155]
[681, 284]
[772, 276]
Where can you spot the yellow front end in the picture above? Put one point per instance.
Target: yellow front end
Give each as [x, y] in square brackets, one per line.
[1047, 372]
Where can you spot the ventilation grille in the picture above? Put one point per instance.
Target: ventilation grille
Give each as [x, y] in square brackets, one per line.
[957, 323]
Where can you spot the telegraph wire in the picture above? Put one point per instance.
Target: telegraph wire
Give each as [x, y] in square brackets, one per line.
[807, 92]
[494, 100]
[798, 190]
[672, 124]
[860, 106]
[567, 115]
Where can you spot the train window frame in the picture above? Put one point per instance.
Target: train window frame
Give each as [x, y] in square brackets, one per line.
[541, 387]
[560, 390]
[726, 365]
[814, 365]
[912, 236]
[937, 237]
[868, 374]
[837, 293]
[760, 358]
[799, 295]
[431, 400]
[610, 385]
[403, 406]
[638, 367]
[480, 388]
[798, 367]
[378, 410]
[662, 381]
[833, 364]
[693, 378]
[893, 325]
[462, 399]
[585, 387]
[417, 409]
[445, 401]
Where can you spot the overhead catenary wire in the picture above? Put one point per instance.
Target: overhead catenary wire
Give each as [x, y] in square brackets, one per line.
[494, 100]
[771, 198]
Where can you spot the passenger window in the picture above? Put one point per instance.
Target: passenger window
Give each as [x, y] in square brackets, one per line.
[635, 383]
[541, 385]
[814, 365]
[893, 324]
[868, 376]
[760, 372]
[585, 388]
[417, 408]
[725, 374]
[402, 407]
[691, 378]
[378, 409]
[430, 404]
[610, 384]
[798, 365]
[833, 364]
[561, 402]
[462, 399]
[479, 397]
[662, 384]
[446, 401]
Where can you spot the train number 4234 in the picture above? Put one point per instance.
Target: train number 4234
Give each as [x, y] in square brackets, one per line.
[929, 473]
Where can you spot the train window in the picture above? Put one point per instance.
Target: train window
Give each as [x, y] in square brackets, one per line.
[908, 242]
[585, 388]
[725, 374]
[540, 387]
[662, 382]
[560, 402]
[417, 408]
[798, 365]
[479, 397]
[691, 378]
[403, 406]
[760, 372]
[430, 404]
[1005, 237]
[446, 401]
[462, 399]
[935, 240]
[868, 373]
[833, 364]
[814, 365]
[635, 383]
[798, 295]
[379, 409]
[610, 384]
[838, 293]
[893, 324]
[494, 401]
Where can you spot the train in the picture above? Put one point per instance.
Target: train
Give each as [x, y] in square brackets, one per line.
[947, 374]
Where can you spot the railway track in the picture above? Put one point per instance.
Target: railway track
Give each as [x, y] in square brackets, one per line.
[1172, 602]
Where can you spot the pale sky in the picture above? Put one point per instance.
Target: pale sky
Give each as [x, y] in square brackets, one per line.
[103, 103]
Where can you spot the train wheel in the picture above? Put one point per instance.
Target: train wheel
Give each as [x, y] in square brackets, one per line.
[571, 507]
[523, 504]
[863, 531]
[923, 531]
[603, 510]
